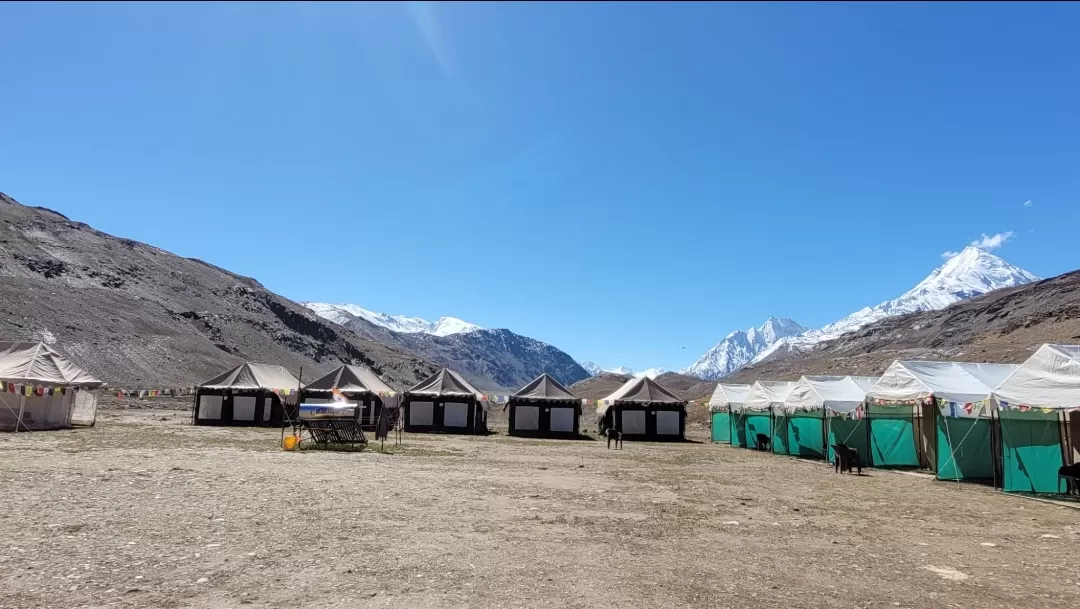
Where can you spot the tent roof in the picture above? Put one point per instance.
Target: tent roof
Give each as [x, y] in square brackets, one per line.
[254, 376]
[765, 394]
[1049, 378]
[445, 382]
[642, 390]
[841, 394]
[544, 387]
[726, 395]
[38, 363]
[960, 382]
[350, 379]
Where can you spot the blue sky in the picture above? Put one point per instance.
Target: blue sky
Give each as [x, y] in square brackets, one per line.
[622, 181]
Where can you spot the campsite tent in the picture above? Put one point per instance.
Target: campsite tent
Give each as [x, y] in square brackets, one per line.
[1037, 406]
[720, 407]
[249, 394]
[544, 408]
[445, 402]
[43, 390]
[358, 385]
[642, 409]
[936, 415]
[755, 416]
[801, 424]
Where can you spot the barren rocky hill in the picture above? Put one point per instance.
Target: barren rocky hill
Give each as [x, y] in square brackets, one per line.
[136, 315]
[1003, 326]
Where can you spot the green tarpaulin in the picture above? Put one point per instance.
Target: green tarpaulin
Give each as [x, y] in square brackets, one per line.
[738, 430]
[721, 427]
[964, 449]
[805, 435]
[757, 423]
[892, 437]
[779, 444]
[1031, 452]
[851, 432]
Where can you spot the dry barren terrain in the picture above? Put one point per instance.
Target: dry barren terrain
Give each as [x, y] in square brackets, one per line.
[145, 510]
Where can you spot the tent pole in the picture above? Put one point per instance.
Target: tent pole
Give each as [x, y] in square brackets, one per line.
[22, 406]
[994, 445]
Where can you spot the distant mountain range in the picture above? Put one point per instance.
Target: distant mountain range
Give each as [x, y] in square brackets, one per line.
[970, 273]
[494, 360]
[594, 369]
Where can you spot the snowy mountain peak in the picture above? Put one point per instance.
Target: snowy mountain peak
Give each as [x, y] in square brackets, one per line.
[972, 272]
[741, 346]
[342, 313]
[594, 369]
[650, 372]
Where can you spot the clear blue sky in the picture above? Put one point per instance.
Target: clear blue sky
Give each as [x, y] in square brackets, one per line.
[619, 180]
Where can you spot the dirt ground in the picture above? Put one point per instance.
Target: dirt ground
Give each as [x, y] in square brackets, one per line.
[145, 510]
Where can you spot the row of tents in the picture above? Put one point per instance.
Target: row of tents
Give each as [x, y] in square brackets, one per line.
[1010, 425]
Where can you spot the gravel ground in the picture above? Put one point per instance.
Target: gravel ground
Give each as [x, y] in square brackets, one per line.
[145, 510]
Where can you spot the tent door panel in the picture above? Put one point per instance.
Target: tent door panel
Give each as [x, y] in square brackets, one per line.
[721, 427]
[964, 449]
[85, 411]
[667, 422]
[562, 420]
[421, 414]
[210, 407]
[928, 456]
[632, 422]
[527, 418]
[455, 414]
[1031, 450]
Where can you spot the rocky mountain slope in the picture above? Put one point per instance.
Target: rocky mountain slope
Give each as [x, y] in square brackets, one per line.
[494, 360]
[741, 347]
[138, 316]
[1005, 326]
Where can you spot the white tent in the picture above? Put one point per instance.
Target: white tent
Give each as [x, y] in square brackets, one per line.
[1050, 378]
[959, 382]
[727, 395]
[837, 394]
[765, 395]
[43, 390]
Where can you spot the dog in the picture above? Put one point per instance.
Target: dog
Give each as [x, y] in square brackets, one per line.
[616, 435]
[763, 442]
[1070, 473]
[844, 457]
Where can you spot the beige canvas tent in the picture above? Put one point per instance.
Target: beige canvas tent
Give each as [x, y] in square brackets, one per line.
[358, 384]
[642, 409]
[445, 402]
[43, 390]
[249, 394]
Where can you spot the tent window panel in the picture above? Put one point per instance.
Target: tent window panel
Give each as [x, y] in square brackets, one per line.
[210, 407]
[455, 414]
[85, 411]
[244, 408]
[268, 406]
[421, 413]
[633, 422]
[527, 418]
[667, 423]
[562, 420]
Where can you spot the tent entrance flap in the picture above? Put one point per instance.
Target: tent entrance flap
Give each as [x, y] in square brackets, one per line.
[964, 448]
[721, 427]
[892, 437]
[757, 423]
[850, 432]
[805, 435]
[1031, 452]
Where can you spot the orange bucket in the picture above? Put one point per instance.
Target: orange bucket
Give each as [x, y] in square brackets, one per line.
[289, 443]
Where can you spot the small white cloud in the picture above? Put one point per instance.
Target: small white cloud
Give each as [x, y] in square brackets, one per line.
[1028, 203]
[992, 242]
[1032, 230]
[949, 255]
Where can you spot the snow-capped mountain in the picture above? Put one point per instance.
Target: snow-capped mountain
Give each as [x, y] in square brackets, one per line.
[594, 369]
[741, 347]
[972, 272]
[343, 313]
[651, 372]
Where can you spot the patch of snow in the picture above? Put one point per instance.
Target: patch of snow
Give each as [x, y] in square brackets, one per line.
[650, 372]
[43, 335]
[741, 347]
[344, 313]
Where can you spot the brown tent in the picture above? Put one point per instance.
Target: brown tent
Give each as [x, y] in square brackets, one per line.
[544, 408]
[445, 402]
[360, 386]
[249, 394]
[642, 409]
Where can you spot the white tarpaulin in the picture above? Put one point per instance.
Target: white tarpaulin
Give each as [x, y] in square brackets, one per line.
[1050, 378]
[963, 383]
[726, 395]
[764, 395]
[839, 394]
[37, 364]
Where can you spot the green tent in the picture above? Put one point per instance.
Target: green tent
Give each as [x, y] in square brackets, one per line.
[1032, 404]
[810, 406]
[764, 399]
[720, 404]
